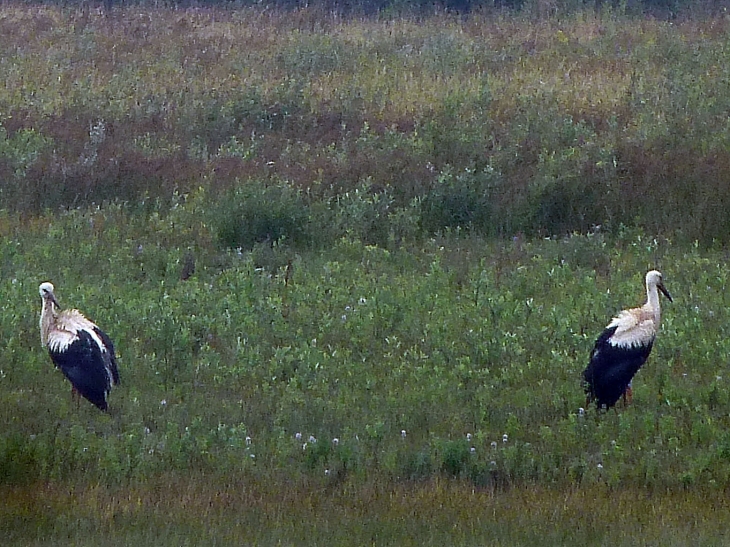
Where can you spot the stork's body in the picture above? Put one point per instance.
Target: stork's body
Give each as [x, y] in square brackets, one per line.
[78, 347]
[623, 347]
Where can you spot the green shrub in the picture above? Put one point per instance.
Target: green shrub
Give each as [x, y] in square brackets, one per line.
[455, 457]
[363, 214]
[253, 212]
[20, 151]
[460, 200]
[18, 461]
[416, 464]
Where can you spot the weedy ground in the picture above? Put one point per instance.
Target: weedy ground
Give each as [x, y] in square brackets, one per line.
[360, 391]
[379, 342]
[192, 511]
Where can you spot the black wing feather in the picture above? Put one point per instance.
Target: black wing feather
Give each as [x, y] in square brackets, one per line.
[611, 368]
[110, 356]
[82, 362]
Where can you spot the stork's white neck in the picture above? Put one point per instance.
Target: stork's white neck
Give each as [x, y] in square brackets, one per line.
[652, 303]
[48, 317]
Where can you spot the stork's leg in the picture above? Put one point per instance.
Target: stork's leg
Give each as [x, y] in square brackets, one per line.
[628, 395]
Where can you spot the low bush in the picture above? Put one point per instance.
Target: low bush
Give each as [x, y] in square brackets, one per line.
[461, 200]
[255, 212]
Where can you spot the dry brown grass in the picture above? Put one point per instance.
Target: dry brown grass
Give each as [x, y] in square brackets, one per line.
[425, 513]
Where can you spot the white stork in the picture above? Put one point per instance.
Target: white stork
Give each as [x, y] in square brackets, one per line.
[82, 351]
[624, 347]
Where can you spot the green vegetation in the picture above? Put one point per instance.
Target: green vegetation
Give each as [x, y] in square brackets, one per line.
[375, 345]
[458, 360]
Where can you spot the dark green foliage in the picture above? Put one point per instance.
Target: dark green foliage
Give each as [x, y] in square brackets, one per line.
[462, 200]
[253, 212]
[563, 205]
[364, 214]
[416, 464]
[316, 455]
[18, 461]
[455, 458]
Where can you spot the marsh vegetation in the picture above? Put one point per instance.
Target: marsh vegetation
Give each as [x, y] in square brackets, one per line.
[407, 234]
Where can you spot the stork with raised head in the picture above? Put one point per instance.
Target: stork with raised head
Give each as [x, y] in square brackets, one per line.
[82, 351]
[623, 347]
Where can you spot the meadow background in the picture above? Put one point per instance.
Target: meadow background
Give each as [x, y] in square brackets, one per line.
[354, 266]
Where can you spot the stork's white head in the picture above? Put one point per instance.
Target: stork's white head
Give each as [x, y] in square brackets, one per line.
[654, 279]
[46, 292]
[45, 289]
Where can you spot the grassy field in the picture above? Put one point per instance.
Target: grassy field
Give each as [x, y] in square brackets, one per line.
[397, 278]
[358, 386]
